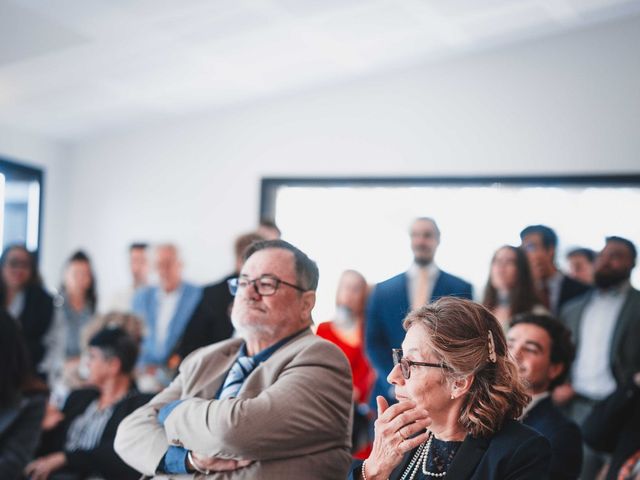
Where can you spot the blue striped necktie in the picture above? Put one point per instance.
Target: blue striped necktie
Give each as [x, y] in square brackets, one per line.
[240, 370]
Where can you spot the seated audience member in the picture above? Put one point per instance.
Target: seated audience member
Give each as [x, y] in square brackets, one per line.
[22, 295]
[510, 290]
[75, 307]
[581, 264]
[81, 445]
[455, 378]
[274, 403]
[613, 427]
[211, 320]
[606, 326]
[553, 287]
[22, 401]
[139, 270]
[543, 349]
[346, 330]
[130, 323]
[166, 310]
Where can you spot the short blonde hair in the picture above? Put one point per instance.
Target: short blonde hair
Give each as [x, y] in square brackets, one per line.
[458, 332]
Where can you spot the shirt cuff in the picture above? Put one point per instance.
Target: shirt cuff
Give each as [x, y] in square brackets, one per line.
[166, 411]
[174, 461]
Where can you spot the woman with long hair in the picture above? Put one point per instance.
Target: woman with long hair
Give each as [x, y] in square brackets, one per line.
[510, 288]
[24, 298]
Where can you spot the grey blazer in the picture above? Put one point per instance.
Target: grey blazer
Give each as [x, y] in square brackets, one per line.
[292, 416]
[625, 353]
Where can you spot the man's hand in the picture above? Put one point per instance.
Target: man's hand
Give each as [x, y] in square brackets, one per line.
[42, 467]
[213, 464]
[562, 394]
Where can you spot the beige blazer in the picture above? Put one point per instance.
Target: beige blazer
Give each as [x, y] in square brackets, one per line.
[292, 416]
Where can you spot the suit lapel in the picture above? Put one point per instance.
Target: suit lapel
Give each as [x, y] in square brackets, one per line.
[212, 371]
[467, 458]
[626, 314]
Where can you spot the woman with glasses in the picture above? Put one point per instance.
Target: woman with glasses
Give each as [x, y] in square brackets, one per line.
[459, 396]
[22, 295]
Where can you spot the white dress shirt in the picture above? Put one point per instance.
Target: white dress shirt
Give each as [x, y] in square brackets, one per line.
[167, 305]
[592, 376]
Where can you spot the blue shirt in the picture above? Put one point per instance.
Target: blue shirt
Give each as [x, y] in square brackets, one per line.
[175, 460]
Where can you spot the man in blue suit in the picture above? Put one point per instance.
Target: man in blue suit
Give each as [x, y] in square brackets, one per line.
[392, 299]
[543, 349]
[166, 310]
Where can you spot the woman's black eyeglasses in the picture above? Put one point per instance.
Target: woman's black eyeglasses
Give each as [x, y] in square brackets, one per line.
[406, 364]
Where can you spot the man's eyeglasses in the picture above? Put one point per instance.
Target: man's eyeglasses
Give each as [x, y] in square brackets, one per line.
[265, 286]
[406, 364]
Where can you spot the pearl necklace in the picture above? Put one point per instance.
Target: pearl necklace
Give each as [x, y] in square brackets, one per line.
[420, 460]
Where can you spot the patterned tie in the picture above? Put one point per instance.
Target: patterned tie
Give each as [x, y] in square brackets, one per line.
[240, 370]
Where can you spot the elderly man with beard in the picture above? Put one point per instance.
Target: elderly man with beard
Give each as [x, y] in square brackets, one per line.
[605, 323]
[274, 403]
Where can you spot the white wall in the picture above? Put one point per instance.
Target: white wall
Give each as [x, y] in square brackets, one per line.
[51, 157]
[567, 104]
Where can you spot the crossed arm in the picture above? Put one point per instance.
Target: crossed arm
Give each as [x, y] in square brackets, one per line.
[303, 411]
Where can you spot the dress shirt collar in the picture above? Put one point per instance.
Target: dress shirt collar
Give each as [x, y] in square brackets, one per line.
[535, 400]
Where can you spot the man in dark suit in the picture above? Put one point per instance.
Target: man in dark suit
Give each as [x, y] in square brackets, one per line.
[606, 327]
[392, 299]
[553, 287]
[211, 320]
[543, 349]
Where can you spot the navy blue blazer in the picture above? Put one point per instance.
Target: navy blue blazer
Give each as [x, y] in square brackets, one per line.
[516, 452]
[387, 306]
[563, 435]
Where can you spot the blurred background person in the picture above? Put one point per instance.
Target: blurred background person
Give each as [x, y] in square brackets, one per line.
[582, 264]
[22, 401]
[509, 289]
[139, 270]
[166, 309]
[81, 445]
[211, 320]
[24, 298]
[75, 307]
[613, 426]
[553, 287]
[268, 229]
[346, 330]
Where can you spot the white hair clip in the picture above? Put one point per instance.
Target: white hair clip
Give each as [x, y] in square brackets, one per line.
[492, 348]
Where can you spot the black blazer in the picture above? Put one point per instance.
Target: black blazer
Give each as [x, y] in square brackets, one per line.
[563, 435]
[613, 426]
[516, 452]
[211, 320]
[569, 289]
[36, 319]
[102, 460]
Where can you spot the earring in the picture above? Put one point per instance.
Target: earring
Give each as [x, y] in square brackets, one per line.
[453, 396]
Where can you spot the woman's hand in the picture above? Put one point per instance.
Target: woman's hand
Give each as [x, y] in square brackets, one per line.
[394, 436]
[42, 467]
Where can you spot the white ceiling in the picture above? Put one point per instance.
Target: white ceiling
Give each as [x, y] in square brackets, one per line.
[72, 68]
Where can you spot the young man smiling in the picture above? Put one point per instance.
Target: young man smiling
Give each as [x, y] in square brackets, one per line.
[543, 349]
